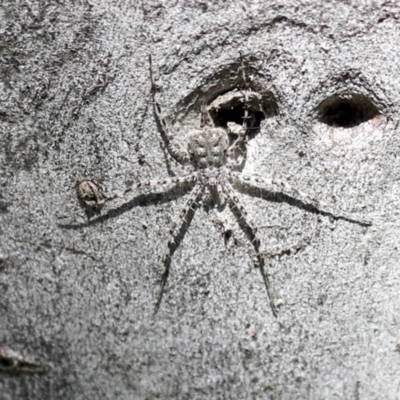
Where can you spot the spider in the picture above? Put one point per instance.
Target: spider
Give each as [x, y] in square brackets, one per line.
[215, 171]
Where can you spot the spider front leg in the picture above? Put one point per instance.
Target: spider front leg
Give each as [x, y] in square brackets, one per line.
[240, 141]
[249, 121]
[242, 133]
[241, 214]
[178, 180]
[170, 244]
[237, 145]
[175, 149]
[278, 186]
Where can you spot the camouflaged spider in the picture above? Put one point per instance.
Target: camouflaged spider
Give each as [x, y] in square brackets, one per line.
[215, 162]
[212, 158]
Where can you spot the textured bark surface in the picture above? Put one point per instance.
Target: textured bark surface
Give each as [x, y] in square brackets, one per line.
[75, 103]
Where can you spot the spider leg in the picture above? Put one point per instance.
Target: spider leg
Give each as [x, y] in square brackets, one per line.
[173, 146]
[171, 246]
[205, 119]
[241, 139]
[178, 180]
[236, 145]
[278, 186]
[241, 214]
[242, 134]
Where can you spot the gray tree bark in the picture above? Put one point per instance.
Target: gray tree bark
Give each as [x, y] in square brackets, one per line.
[78, 296]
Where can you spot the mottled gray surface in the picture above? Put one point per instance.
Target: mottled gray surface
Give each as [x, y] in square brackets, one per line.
[75, 103]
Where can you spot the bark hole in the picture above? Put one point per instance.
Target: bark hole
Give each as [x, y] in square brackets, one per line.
[346, 112]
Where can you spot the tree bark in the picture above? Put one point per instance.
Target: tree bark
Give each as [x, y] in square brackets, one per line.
[78, 285]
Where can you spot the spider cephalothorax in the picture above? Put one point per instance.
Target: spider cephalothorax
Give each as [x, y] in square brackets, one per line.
[215, 161]
[207, 147]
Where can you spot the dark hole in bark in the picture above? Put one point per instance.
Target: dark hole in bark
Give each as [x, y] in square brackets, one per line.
[236, 114]
[5, 363]
[346, 112]
[232, 106]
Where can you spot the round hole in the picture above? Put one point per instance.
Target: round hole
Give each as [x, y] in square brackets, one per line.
[231, 107]
[346, 112]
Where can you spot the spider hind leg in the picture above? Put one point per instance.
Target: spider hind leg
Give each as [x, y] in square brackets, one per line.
[241, 214]
[171, 245]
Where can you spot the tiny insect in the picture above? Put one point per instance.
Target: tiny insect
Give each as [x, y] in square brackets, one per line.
[215, 161]
[90, 196]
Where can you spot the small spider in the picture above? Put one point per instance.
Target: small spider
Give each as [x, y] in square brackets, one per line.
[215, 162]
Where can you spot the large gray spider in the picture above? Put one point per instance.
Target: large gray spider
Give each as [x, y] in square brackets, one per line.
[215, 162]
